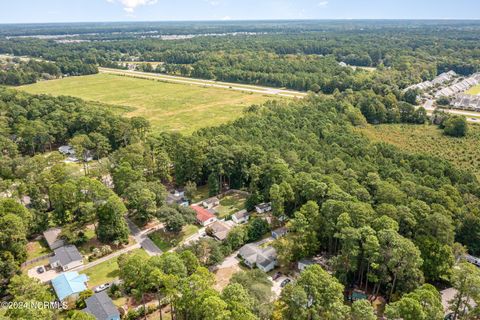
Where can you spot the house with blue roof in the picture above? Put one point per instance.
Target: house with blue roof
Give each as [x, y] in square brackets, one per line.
[69, 284]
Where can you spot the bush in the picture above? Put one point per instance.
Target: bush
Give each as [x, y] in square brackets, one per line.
[456, 126]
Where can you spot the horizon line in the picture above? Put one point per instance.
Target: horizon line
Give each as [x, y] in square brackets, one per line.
[246, 20]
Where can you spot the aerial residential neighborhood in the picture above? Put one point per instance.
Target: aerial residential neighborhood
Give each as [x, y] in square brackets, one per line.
[239, 160]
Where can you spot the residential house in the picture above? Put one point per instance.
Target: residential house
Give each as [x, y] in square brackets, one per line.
[204, 217]
[263, 258]
[101, 307]
[219, 230]
[263, 207]
[67, 150]
[52, 236]
[280, 232]
[69, 284]
[210, 203]
[66, 257]
[304, 263]
[177, 197]
[70, 153]
[241, 216]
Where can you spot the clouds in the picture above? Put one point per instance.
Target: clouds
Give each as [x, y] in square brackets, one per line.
[323, 3]
[130, 5]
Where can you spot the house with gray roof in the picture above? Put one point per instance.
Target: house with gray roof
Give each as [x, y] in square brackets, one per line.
[280, 232]
[66, 257]
[263, 258]
[101, 307]
[219, 230]
[263, 207]
[210, 202]
[52, 236]
[241, 216]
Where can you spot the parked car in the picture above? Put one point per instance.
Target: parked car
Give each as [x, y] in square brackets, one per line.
[285, 282]
[277, 275]
[103, 287]
[40, 269]
[449, 316]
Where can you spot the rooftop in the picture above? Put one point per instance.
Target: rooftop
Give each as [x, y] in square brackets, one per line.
[52, 236]
[220, 230]
[241, 214]
[65, 255]
[203, 215]
[101, 306]
[69, 283]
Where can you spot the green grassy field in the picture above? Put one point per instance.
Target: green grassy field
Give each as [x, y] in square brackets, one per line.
[166, 240]
[168, 106]
[37, 249]
[474, 90]
[462, 152]
[231, 204]
[107, 271]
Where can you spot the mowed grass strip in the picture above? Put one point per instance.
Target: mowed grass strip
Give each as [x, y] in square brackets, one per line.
[169, 106]
[474, 90]
[462, 152]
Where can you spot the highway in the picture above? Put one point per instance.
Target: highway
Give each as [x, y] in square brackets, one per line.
[471, 116]
[206, 83]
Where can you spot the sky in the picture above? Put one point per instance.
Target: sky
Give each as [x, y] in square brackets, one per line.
[26, 11]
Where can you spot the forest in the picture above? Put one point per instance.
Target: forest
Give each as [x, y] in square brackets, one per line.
[393, 223]
[302, 56]
[389, 220]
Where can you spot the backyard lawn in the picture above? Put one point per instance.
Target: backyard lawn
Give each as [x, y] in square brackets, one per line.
[167, 240]
[106, 271]
[474, 90]
[230, 204]
[37, 249]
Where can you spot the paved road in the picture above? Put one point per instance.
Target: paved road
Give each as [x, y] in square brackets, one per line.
[469, 114]
[141, 237]
[207, 83]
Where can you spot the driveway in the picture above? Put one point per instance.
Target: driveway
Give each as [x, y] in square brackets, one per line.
[43, 277]
[141, 237]
[276, 289]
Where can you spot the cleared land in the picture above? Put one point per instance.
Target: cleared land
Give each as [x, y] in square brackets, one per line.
[474, 90]
[169, 106]
[463, 152]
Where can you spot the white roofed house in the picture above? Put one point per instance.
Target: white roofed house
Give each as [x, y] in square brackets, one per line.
[241, 216]
[263, 207]
[210, 202]
[253, 256]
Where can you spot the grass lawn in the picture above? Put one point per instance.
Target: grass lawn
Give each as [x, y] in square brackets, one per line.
[166, 240]
[106, 271]
[37, 249]
[200, 194]
[169, 106]
[230, 204]
[462, 152]
[474, 90]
